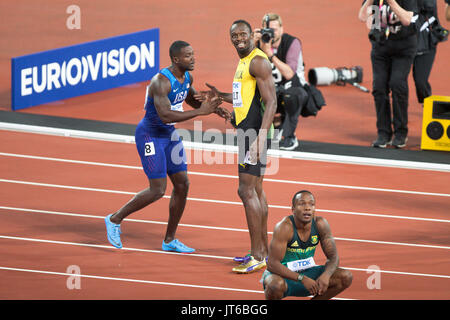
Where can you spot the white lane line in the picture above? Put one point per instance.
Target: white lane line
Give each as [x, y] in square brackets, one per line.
[308, 156]
[142, 281]
[219, 228]
[132, 280]
[40, 184]
[215, 175]
[100, 246]
[203, 256]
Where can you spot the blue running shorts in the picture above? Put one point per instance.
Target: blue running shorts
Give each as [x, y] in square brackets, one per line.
[160, 156]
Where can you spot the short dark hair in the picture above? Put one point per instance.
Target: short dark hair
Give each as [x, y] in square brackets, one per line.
[300, 192]
[176, 47]
[244, 22]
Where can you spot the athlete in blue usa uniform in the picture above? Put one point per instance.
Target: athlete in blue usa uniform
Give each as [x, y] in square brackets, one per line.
[159, 146]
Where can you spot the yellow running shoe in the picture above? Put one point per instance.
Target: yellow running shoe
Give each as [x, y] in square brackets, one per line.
[250, 265]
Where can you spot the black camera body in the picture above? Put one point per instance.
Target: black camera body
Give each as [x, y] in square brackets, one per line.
[439, 34]
[267, 33]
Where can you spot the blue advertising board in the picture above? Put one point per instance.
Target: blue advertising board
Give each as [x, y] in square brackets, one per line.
[84, 68]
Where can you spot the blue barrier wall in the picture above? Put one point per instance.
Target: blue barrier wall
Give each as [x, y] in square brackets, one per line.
[85, 68]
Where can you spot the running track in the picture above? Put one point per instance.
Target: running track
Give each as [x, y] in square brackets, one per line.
[55, 192]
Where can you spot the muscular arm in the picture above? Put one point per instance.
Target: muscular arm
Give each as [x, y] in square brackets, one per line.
[328, 246]
[281, 235]
[159, 90]
[261, 69]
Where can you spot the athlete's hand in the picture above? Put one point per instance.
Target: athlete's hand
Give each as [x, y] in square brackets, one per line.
[310, 285]
[323, 282]
[202, 95]
[213, 89]
[223, 113]
[209, 105]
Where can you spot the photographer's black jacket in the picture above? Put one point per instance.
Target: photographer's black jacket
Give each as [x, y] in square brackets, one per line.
[427, 10]
[397, 30]
[286, 41]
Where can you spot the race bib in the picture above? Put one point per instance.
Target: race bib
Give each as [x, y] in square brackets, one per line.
[149, 149]
[176, 107]
[237, 97]
[301, 265]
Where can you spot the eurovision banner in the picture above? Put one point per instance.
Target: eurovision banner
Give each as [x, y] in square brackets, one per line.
[84, 68]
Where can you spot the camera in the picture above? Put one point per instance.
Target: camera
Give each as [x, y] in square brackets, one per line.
[267, 33]
[439, 34]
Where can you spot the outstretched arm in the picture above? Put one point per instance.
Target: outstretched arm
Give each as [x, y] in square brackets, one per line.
[159, 89]
[195, 99]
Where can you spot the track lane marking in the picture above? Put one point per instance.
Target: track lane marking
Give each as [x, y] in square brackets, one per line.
[216, 228]
[215, 175]
[202, 255]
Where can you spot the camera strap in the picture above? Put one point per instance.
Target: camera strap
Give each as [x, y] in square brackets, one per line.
[427, 24]
[387, 26]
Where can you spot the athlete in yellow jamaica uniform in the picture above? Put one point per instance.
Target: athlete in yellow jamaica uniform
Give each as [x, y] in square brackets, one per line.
[254, 103]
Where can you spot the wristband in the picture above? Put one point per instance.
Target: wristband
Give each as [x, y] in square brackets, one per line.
[271, 58]
[300, 277]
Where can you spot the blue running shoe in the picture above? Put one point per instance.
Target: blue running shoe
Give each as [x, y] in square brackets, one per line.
[177, 246]
[113, 232]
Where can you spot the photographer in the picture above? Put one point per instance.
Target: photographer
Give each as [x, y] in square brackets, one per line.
[393, 36]
[430, 34]
[285, 54]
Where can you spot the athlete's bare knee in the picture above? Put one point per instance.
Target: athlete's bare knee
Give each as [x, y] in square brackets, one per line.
[246, 192]
[182, 186]
[346, 279]
[275, 288]
[156, 193]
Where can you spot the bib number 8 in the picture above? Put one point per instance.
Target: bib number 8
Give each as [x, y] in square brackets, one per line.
[149, 149]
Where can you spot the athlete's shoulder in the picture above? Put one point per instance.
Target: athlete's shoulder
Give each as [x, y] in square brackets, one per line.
[322, 225]
[259, 52]
[284, 226]
[159, 83]
[284, 230]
